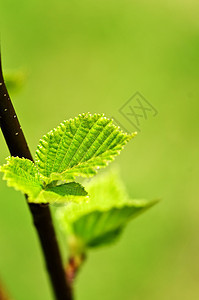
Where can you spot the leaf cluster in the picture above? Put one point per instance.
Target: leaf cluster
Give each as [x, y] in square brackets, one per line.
[77, 147]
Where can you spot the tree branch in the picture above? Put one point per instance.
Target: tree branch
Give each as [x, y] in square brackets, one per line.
[17, 145]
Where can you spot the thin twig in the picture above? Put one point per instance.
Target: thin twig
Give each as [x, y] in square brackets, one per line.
[17, 145]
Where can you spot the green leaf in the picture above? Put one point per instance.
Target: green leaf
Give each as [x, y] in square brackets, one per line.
[64, 193]
[70, 188]
[102, 218]
[101, 227]
[23, 175]
[78, 147]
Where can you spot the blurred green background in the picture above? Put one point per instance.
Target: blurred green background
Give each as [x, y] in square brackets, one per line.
[93, 56]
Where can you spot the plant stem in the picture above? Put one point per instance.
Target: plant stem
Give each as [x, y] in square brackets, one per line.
[17, 145]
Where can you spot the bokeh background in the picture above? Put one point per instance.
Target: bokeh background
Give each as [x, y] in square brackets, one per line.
[82, 56]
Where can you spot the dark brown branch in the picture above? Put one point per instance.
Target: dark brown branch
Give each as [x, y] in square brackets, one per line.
[17, 145]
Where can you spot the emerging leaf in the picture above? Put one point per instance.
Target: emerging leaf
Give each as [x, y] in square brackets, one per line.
[103, 227]
[101, 220]
[64, 193]
[23, 175]
[70, 188]
[79, 147]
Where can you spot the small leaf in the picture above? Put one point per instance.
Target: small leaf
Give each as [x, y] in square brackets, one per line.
[22, 174]
[79, 147]
[101, 220]
[67, 189]
[64, 193]
[99, 227]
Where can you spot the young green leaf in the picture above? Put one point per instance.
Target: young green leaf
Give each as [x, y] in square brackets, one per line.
[64, 193]
[79, 147]
[23, 175]
[101, 220]
[70, 188]
[101, 227]
[76, 147]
